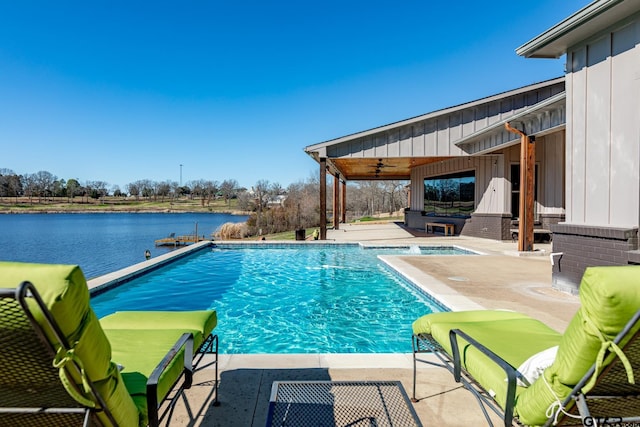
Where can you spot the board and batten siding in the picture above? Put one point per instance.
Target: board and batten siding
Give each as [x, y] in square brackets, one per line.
[603, 128]
[435, 134]
[550, 163]
[491, 185]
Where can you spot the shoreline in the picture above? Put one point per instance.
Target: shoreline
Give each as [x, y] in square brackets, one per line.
[124, 211]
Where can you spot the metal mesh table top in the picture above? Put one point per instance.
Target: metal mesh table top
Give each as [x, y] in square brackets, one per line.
[340, 403]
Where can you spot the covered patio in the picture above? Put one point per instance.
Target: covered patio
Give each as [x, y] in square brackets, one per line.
[475, 150]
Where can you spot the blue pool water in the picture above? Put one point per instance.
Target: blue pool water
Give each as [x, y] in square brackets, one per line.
[286, 299]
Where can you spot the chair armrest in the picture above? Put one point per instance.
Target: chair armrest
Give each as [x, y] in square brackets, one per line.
[186, 341]
[509, 370]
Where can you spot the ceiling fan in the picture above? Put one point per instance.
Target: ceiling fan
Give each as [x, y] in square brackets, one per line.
[378, 167]
[381, 165]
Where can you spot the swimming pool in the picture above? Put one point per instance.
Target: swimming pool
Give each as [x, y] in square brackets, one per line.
[287, 298]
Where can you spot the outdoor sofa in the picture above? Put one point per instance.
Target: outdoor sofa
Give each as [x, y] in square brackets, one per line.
[60, 365]
[530, 374]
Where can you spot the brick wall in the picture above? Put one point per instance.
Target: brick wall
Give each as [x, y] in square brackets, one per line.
[549, 220]
[585, 246]
[488, 226]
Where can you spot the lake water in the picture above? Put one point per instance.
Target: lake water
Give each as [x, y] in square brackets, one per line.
[99, 242]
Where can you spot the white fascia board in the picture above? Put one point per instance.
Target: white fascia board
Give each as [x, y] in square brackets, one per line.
[589, 20]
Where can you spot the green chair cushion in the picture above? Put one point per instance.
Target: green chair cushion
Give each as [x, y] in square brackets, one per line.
[200, 323]
[423, 324]
[64, 291]
[609, 297]
[514, 340]
[139, 351]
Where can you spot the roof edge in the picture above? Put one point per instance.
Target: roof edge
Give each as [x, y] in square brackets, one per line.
[586, 14]
[447, 110]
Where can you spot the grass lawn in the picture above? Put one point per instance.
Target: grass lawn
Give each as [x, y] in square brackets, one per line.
[113, 204]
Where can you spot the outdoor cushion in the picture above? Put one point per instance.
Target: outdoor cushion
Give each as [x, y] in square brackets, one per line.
[609, 297]
[139, 351]
[514, 340]
[199, 323]
[64, 291]
[423, 324]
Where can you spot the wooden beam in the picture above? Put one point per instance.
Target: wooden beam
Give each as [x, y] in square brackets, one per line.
[336, 201]
[527, 178]
[343, 204]
[323, 198]
[530, 192]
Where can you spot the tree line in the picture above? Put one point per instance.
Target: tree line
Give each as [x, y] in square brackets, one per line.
[43, 184]
[272, 207]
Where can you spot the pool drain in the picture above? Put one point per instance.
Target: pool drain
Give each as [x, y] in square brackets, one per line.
[459, 279]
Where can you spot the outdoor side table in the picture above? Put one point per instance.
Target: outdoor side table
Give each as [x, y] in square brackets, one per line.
[340, 403]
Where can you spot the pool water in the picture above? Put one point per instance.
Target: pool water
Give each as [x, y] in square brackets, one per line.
[286, 299]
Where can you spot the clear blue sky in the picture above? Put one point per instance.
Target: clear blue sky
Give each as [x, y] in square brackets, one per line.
[119, 91]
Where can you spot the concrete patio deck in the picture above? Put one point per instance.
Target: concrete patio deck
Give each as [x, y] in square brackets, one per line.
[500, 278]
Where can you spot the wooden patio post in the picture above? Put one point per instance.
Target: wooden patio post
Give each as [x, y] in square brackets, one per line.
[527, 177]
[336, 201]
[343, 204]
[323, 198]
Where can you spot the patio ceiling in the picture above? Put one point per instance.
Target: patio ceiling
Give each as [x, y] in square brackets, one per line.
[380, 168]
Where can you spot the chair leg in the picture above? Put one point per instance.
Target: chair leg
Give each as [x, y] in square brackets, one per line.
[413, 345]
[210, 345]
[216, 402]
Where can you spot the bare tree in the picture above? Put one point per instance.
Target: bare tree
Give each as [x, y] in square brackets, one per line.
[99, 189]
[30, 186]
[160, 189]
[165, 189]
[303, 201]
[133, 188]
[396, 195]
[209, 190]
[245, 201]
[276, 189]
[197, 188]
[147, 188]
[260, 192]
[44, 183]
[228, 189]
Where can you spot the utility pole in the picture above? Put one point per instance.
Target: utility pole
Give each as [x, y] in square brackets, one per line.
[180, 174]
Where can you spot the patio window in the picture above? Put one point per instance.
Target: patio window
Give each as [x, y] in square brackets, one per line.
[450, 195]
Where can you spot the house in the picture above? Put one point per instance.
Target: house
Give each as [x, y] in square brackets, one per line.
[602, 166]
[560, 155]
[276, 201]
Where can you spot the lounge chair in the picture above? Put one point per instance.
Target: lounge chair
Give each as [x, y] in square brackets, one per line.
[60, 366]
[511, 364]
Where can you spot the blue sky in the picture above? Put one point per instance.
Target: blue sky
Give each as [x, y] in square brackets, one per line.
[119, 91]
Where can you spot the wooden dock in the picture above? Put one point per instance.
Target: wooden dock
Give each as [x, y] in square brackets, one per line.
[179, 240]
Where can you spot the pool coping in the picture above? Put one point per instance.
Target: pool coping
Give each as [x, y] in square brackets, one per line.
[114, 279]
[434, 288]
